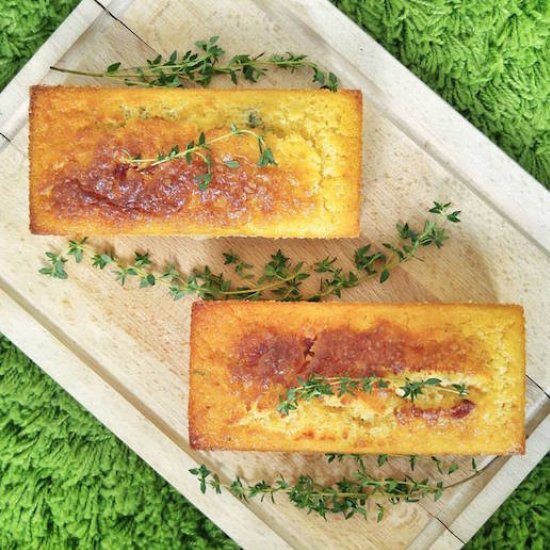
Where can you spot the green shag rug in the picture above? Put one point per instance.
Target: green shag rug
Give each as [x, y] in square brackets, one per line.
[67, 482]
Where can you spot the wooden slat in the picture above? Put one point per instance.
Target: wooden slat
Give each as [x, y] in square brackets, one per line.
[115, 7]
[424, 116]
[436, 537]
[450, 507]
[447, 541]
[14, 99]
[128, 423]
[503, 483]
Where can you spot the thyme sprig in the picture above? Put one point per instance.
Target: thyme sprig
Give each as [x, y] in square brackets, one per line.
[372, 262]
[413, 388]
[446, 468]
[411, 240]
[201, 66]
[316, 386]
[202, 148]
[347, 496]
[280, 278]
[56, 267]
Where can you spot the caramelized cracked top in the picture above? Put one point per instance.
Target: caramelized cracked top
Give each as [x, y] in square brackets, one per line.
[110, 188]
[80, 137]
[245, 356]
[269, 355]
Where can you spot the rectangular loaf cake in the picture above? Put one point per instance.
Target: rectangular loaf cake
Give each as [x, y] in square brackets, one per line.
[90, 173]
[245, 357]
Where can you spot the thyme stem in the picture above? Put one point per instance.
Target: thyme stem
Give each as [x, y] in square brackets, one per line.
[316, 386]
[87, 73]
[347, 496]
[271, 286]
[280, 278]
[201, 66]
[194, 149]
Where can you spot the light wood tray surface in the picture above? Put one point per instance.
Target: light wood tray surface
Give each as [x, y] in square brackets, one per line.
[123, 353]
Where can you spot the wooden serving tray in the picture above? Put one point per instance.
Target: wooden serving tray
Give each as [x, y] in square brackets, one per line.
[123, 353]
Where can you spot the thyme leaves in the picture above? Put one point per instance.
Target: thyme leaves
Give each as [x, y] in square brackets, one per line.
[279, 278]
[200, 66]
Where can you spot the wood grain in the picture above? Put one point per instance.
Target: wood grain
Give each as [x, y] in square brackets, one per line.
[123, 353]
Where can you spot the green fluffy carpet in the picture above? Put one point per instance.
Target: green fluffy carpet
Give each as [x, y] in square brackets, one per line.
[67, 482]
[490, 59]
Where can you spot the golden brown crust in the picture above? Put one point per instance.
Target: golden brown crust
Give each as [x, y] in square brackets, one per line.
[33, 214]
[260, 349]
[78, 184]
